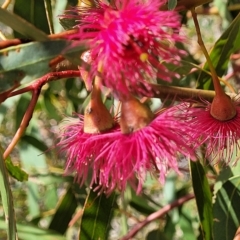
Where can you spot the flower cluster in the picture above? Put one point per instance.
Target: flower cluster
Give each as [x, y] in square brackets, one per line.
[116, 159]
[220, 137]
[129, 39]
[129, 42]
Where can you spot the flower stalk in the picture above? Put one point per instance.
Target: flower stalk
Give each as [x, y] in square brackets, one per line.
[222, 107]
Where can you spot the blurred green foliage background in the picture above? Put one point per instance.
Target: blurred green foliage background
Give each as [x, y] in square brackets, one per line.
[49, 205]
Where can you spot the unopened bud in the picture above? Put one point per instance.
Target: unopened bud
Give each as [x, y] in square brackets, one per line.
[97, 117]
[134, 115]
[223, 108]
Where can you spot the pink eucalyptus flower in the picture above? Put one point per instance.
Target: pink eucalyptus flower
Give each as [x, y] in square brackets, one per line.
[156, 148]
[128, 40]
[83, 149]
[114, 159]
[221, 137]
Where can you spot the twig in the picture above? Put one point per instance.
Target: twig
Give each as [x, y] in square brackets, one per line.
[25, 121]
[186, 4]
[234, 7]
[216, 83]
[2, 36]
[213, 10]
[235, 56]
[16, 41]
[9, 42]
[6, 4]
[161, 91]
[5, 95]
[63, 35]
[53, 63]
[160, 213]
[45, 79]
[237, 235]
[76, 217]
[36, 89]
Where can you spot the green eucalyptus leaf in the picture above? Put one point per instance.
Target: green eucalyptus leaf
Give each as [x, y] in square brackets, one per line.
[33, 161]
[156, 235]
[27, 62]
[49, 106]
[226, 210]
[29, 232]
[203, 198]
[64, 212]
[34, 13]
[7, 199]
[21, 25]
[58, 8]
[97, 215]
[15, 171]
[224, 13]
[227, 44]
[68, 23]
[49, 14]
[186, 225]
[51, 193]
[35, 142]
[172, 4]
[10, 79]
[141, 205]
[169, 228]
[226, 173]
[21, 107]
[73, 88]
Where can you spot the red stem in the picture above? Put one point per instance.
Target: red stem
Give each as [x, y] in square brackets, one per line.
[45, 79]
[16, 41]
[217, 86]
[160, 213]
[36, 89]
[25, 121]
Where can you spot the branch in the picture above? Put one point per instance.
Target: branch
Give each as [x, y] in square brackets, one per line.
[4, 95]
[160, 213]
[187, 94]
[25, 121]
[16, 41]
[53, 76]
[36, 89]
[6, 4]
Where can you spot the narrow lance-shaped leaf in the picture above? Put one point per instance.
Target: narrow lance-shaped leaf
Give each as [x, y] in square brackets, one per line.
[64, 212]
[30, 232]
[34, 162]
[226, 210]
[15, 171]
[33, 12]
[203, 198]
[35, 142]
[48, 8]
[141, 205]
[7, 199]
[98, 212]
[22, 26]
[172, 4]
[27, 62]
[227, 44]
